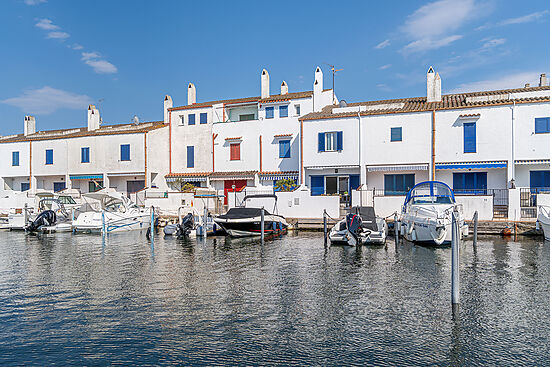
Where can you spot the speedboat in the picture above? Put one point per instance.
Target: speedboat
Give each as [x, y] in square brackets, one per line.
[116, 213]
[53, 215]
[242, 222]
[427, 212]
[361, 226]
[544, 220]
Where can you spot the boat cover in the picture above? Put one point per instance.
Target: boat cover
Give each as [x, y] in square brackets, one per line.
[368, 216]
[240, 213]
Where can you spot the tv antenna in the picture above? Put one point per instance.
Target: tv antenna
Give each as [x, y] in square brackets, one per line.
[334, 71]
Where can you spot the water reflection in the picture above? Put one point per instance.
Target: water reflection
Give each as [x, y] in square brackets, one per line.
[124, 299]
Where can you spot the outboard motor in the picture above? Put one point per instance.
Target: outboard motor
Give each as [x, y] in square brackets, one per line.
[353, 223]
[187, 225]
[46, 218]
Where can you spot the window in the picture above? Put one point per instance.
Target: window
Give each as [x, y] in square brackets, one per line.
[49, 156]
[398, 184]
[85, 155]
[246, 117]
[125, 152]
[396, 134]
[330, 142]
[539, 179]
[469, 137]
[235, 151]
[191, 119]
[474, 183]
[58, 186]
[203, 118]
[182, 118]
[190, 156]
[15, 158]
[297, 109]
[269, 112]
[25, 186]
[542, 125]
[284, 149]
[283, 111]
[317, 185]
[94, 186]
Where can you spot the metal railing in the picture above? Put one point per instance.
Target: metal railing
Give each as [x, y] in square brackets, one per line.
[528, 200]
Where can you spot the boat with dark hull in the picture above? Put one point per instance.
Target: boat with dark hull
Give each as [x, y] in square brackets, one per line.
[242, 222]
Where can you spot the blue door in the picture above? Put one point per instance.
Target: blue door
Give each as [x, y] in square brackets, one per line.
[58, 186]
[317, 185]
[540, 179]
[353, 182]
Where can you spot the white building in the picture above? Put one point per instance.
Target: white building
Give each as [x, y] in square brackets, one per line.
[479, 143]
[127, 157]
[231, 144]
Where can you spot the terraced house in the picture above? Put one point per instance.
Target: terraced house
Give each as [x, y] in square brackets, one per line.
[484, 143]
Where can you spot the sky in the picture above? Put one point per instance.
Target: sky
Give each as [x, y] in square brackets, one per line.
[58, 56]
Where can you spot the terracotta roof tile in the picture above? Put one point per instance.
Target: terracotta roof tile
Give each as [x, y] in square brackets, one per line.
[235, 138]
[283, 135]
[233, 173]
[278, 173]
[188, 174]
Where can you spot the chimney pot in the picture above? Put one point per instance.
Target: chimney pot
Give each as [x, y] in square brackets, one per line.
[191, 94]
[433, 86]
[94, 119]
[29, 126]
[527, 85]
[265, 84]
[542, 82]
[167, 104]
[284, 88]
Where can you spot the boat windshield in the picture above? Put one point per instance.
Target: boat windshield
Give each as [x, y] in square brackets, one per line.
[430, 192]
[66, 199]
[111, 204]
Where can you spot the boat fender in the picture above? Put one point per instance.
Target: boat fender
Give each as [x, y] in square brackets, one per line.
[410, 229]
[413, 236]
[439, 235]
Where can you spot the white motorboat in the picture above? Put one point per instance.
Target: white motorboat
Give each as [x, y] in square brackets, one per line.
[116, 213]
[427, 213]
[544, 220]
[361, 226]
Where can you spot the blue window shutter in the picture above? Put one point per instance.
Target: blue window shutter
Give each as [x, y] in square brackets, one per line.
[15, 158]
[190, 157]
[204, 118]
[191, 119]
[269, 112]
[469, 137]
[284, 149]
[396, 134]
[339, 140]
[353, 182]
[49, 156]
[283, 111]
[125, 152]
[85, 155]
[542, 125]
[321, 145]
[317, 185]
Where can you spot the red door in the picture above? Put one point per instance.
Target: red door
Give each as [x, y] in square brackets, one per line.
[228, 187]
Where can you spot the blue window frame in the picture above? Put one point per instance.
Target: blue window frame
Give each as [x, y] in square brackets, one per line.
[317, 185]
[399, 184]
[469, 137]
[49, 156]
[283, 111]
[396, 134]
[330, 141]
[25, 186]
[190, 156]
[539, 179]
[191, 119]
[59, 186]
[85, 155]
[125, 152]
[472, 183]
[15, 158]
[203, 118]
[284, 148]
[269, 112]
[542, 125]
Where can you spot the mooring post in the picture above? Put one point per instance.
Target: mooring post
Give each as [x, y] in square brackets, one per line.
[475, 227]
[103, 229]
[262, 224]
[455, 263]
[26, 214]
[396, 228]
[325, 224]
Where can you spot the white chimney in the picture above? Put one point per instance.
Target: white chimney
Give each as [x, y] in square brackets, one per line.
[93, 118]
[265, 84]
[284, 88]
[191, 94]
[30, 125]
[167, 104]
[433, 86]
[543, 82]
[317, 89]
[527, 85]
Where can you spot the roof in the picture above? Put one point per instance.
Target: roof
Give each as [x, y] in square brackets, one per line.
[273, 98]
[448, 102]
[83, 131]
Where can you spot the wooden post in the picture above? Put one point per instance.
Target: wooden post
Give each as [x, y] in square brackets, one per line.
[103, 229]
[455, 263]
[396, 228]
[325, 224]
[262, 224]
[475, 227]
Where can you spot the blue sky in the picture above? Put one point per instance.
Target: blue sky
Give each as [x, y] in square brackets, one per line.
[57, 56]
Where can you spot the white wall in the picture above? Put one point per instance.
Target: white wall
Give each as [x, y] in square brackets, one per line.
[483, 205]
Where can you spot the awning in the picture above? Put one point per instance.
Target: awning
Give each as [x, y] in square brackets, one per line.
[533, 161]
[471, 165]
[400, 167]
[126, 174]
[186, 179]
[332, 167]
[86, 177]
[277, 176]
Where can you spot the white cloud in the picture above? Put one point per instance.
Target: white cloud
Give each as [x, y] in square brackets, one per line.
[492, 42]
[383, 44]
[46, 24]
[58, 35]
[525, 19]
[384, 67]
[425, 44]
[508, 81]
[100, 66]
[47, 100]
[76, 46]
[34, 2]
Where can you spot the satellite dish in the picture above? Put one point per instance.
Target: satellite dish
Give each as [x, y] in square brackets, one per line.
[343, 103]
[135, 119]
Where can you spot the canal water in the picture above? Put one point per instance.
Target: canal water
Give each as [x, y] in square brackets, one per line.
[77, 300]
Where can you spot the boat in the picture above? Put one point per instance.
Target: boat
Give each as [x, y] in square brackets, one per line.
[114, 213]
[184, 228]
[359, 227]
[427, 212]
[53, 215]
[544, 220]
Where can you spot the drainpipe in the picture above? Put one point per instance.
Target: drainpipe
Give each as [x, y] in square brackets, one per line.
[361, 172]
[170, 141]
[145, 156]
[214, 136]
[433, 146]
[301, 152]
[513, 163]
[30, 165]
